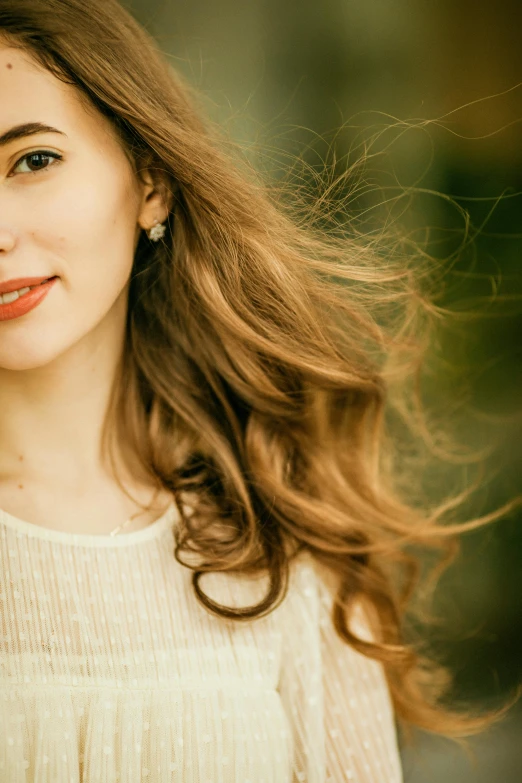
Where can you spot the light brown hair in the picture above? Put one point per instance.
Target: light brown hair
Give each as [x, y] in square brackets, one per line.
[262, 353]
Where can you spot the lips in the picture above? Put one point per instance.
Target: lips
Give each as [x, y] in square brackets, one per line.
[22, 282]
[36, 291]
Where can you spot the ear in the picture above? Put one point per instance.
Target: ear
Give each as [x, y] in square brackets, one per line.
[155, 200]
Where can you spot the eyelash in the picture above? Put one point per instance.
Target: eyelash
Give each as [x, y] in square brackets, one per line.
[45, 153]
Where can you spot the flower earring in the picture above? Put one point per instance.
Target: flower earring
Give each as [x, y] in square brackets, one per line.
[157, 231]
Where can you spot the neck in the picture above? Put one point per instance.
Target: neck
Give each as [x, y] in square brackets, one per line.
[52, 417]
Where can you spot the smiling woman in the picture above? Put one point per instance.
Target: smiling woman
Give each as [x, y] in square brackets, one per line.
[192, 387]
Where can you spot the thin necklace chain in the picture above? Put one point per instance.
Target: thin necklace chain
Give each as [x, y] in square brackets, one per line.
[137, 514]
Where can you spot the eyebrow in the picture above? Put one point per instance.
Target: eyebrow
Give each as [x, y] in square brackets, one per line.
[27, 129]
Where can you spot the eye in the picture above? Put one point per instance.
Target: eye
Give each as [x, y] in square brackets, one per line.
[36, 161]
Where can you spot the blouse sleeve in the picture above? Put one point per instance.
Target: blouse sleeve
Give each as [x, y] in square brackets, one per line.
[337, 701]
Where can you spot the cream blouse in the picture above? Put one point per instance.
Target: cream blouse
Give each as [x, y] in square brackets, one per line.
[110, 670]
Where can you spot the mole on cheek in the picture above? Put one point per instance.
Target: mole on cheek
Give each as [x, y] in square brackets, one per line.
[9, 65]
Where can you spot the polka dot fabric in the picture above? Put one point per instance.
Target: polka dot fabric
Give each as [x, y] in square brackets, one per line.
[111, 671]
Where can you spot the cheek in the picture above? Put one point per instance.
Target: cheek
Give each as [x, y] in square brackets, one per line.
[86, 238]
[87, 232]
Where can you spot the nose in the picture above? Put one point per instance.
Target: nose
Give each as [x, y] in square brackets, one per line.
[7, 240]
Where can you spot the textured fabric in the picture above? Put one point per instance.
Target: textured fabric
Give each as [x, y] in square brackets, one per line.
[110, 670]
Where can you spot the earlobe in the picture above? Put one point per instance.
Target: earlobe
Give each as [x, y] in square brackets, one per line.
[154, 206]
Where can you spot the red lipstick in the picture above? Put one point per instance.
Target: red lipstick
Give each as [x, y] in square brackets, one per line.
[28, 300]
[20, 282]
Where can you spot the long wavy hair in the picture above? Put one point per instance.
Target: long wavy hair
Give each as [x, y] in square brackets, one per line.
[267, 352]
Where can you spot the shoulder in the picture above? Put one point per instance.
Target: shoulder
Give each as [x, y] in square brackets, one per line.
[313, 588]
[310, 579]
[308, 599]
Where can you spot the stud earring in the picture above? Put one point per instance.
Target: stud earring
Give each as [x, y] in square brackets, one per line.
[157, 231]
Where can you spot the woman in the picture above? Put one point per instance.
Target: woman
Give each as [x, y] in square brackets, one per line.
[201, 551]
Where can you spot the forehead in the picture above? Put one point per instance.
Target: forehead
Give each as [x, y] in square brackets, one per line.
[30, 93]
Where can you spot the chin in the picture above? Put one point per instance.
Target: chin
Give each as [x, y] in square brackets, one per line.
[25, 358]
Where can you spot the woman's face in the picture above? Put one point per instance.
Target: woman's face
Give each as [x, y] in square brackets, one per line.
[70, 207]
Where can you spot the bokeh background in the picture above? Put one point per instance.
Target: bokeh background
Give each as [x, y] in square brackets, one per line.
[309, 77]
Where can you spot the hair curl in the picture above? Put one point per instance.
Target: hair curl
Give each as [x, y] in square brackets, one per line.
[266, 355]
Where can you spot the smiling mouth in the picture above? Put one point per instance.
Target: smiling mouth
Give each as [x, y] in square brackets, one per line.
[11, 296]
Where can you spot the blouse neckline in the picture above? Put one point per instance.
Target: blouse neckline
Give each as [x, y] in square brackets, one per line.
[152, 531]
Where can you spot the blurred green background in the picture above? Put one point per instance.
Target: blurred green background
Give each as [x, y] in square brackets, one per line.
[286, 76]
